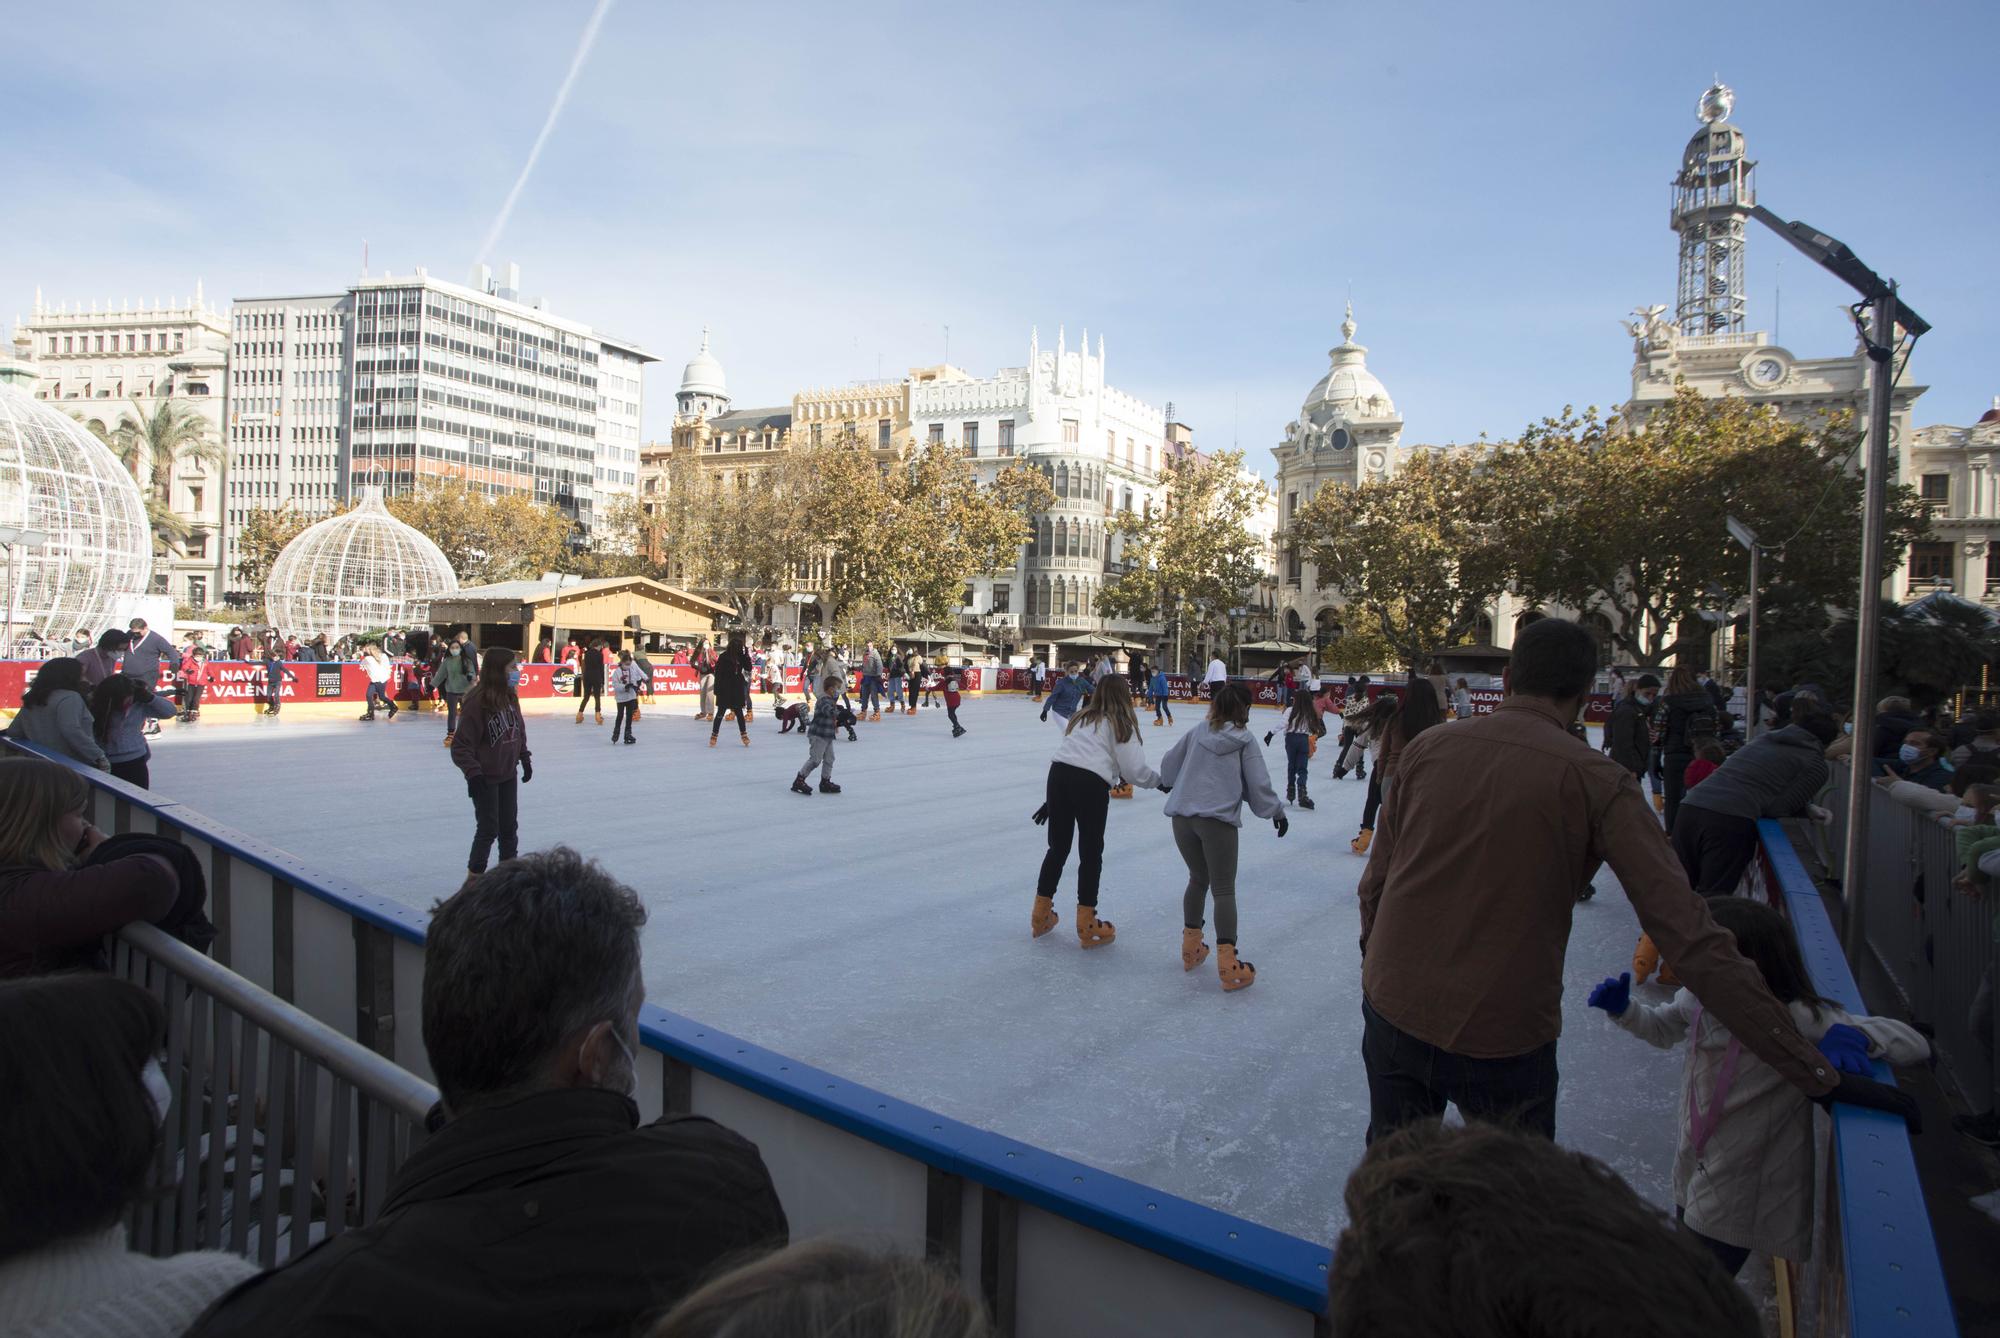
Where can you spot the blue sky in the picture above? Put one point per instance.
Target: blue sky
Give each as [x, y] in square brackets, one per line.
[829, 186]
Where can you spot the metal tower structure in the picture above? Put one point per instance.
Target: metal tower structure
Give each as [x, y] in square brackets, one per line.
[1713, 197]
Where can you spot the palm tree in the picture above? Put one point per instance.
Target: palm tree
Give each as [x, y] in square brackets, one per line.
[150, 445]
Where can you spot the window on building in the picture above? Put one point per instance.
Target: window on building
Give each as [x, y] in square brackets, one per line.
[1149, 457]
[968, 437]
[1069, 430]
[198, 591]
[194, 498]
[1044, 535]
[882, 434]
[1125, 500]
[1930, 564]
[1293, 568]
[197, 546]
[1003, 598]
[1006, 436]
[937, 434]
[1936, 491]
[1110, 445]
[1128, 452]
[816, 433]
[1291, 505]
[847, 430]
[1069, 598]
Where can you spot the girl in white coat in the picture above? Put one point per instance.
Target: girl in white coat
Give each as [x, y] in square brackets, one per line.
[1743, 1174]
[1100, 746]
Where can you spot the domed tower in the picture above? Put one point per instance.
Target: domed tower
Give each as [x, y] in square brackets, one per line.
[704, 393]
[1713, 197]
[356, 572]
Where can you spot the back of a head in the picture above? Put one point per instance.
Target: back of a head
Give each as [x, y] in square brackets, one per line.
[1229, 706]
[34, 795]
[529, 953]
[1553, 658]
[78, 1123]
[826, 1289]
[1484, 1232]
[1820, 724]
[63, 672]
[1986, 722]
[114, 641]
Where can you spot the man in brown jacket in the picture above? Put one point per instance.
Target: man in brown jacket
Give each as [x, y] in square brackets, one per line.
[1465, 916]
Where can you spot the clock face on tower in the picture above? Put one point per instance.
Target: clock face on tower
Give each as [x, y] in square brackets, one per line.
[1767, 371]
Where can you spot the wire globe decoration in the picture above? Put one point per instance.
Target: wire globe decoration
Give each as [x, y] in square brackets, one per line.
[56, 478]
[356, 572]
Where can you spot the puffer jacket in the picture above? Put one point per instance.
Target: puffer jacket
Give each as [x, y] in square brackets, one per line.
[1214, 772]
[1752, 1183]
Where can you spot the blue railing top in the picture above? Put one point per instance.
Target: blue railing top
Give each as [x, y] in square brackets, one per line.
[1895, 1280]
[1285, 1267]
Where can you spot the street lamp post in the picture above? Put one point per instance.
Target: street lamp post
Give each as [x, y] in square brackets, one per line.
[1746, 536]
[1236, 639]
[12, 537]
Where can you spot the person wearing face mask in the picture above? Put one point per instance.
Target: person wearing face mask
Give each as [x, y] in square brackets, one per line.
[80, 1062]
[457, 671]
[1628, 737]
[540, 1204]
[1950, 802]
[1918, 762]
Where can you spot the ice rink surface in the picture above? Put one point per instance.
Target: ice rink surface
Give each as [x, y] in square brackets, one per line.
[883, 933]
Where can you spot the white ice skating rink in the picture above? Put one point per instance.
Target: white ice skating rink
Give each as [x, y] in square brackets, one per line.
[883, 933]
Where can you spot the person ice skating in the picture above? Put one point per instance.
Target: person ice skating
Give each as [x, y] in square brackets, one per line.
[491, 743]
[1067, 694]
[703, 661]
[1210, 773]
[1462, 972]
[590, 681]
[898, 670]
[1160, 693]
[628, 680]
[457, 671]
[1303, 728]
[195, 678]
[376, 665]
[1038, 674]
[732, 689]
[1461, 701]
[143, 659]
[951, 700]
[276, 675]
[1216, 673]
[871, 683]
[820, 732]
[1743, 1172]
[1100, 745]
[1361, 729]
[1419, 710]
[799, 713]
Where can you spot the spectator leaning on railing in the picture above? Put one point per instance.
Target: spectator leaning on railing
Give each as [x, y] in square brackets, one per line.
[1776, 775]
[55, 716]
[80, 1122]
[1919, 760]
[827, 1289]
[540, 1205]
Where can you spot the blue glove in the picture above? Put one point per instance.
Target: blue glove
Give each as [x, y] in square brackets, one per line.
[1847, 1048]
[1613, 996]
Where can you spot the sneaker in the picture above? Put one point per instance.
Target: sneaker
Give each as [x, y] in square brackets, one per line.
[828, 787]
[1980, 1128]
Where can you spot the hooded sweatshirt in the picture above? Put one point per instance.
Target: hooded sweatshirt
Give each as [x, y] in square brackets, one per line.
[1214, 772]
[1094, 747]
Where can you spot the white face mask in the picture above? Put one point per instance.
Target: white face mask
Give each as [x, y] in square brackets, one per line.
[154, 1077]
[1965, 814]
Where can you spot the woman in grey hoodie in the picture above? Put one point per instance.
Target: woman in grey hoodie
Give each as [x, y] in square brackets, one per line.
[1212, 773]
[54, 715]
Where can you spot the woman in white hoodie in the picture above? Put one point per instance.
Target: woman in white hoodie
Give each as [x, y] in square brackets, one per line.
[1212, 773]
[1100, 746]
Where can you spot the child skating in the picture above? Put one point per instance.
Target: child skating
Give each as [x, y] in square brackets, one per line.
[951, 700]
[1211, 773]
[1303, 729]
[1160, 693]
[276, 675]
[1743, 1173]
[628, 680]
[824, 725]
[1100, 744]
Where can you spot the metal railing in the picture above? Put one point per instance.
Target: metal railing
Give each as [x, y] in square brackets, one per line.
[281, 1131]
[1875, 1270]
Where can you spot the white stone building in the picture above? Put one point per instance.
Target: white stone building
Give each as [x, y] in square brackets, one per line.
[111, 365]
[1102, 450]
[1956, 470]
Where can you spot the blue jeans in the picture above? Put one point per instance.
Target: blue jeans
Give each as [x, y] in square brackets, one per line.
[1160, 707]
[379, 692]
[1298, 751]
[1411, 1080]
[871, 691]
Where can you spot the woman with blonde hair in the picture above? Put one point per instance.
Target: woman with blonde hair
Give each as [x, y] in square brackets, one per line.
[1100, 747]
[828, 1289]
[54, 914]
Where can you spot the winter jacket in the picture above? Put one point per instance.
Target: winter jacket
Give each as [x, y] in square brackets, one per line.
[732, 681]
[1978, 750]
[627, 680]
[871, 665]
[825, 722]
[125, 736]
[1890, 727]
[62, 724]
[1628, 738]
[1774, 776]
[1685, 714]
[56, 919]
[97, 666]
[1159, 687]
[489, 745]
[1935, 776]
[1923, 798]
[457, 673]
[142, 661]
[1065, 696]
[1751, 1185]
[376, 667]
[97, 1285]
[554, 1213]
[593, 669]
[1095, 748]
[1214, 772]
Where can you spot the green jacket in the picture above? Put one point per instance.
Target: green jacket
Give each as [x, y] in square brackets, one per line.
[1972, 843]
[456, 673]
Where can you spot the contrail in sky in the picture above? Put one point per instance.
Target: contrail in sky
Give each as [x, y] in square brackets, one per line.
[555, 110]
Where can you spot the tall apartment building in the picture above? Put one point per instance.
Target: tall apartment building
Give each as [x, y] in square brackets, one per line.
[399, 380]
[112, 365]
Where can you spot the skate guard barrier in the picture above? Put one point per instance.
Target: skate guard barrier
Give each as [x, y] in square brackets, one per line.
[1057, 1248]
[1875, 1270]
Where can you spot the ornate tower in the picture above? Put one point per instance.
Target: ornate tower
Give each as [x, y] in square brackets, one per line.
[704, 391]
[1713, 196]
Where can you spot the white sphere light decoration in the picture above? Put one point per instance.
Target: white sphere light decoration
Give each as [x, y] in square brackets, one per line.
[58, 479]
[356, 572]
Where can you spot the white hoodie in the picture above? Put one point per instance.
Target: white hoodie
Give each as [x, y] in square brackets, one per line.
[1214, 772]
[1093, 746]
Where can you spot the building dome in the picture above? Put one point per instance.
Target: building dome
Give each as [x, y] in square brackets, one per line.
[1992, 415]
[1348, 390]
[703, 374]
[356, 572]
[56, 478]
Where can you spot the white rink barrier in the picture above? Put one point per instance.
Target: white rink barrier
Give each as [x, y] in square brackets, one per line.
[1057, 1248]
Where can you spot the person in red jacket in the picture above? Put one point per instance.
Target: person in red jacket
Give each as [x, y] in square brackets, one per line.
[951, 703]
[195, 678]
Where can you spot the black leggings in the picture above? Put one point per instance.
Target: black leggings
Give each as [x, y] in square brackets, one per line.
[721, 711]
[1079, 802]
[623, 720]
[495, 810]
[1373, 803]
[135, 772]
[589, 695]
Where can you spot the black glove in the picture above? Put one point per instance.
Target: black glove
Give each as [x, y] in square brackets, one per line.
[1267, 737]
[1281, 824]
[527, 768]
[141, 693]
[1855, 1090]
[1041, 815]
[1166, 789]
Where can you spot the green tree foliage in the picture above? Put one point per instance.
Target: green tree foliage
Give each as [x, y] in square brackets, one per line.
[258, 543]
[1928, 650]
[1631, 523]
[1192, 558]
[486, 539]
[1415, 556]
[150, 444]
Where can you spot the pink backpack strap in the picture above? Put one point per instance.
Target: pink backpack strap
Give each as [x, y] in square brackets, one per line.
[1703, 1124]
